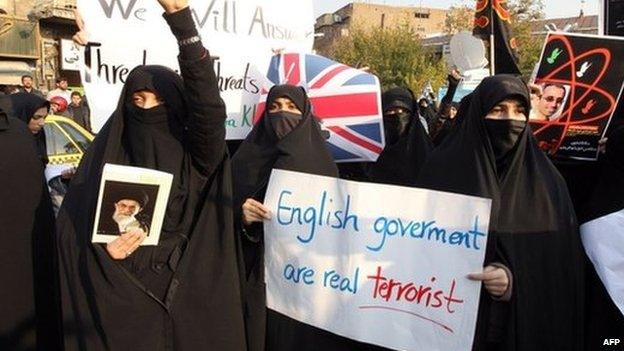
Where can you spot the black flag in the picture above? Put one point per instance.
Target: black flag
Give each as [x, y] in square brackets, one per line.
[493, 17]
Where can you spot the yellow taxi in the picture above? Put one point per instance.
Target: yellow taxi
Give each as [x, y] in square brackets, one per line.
[66, 140]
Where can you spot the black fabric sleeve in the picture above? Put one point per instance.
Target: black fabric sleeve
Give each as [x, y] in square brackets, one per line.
[253, 232]
[183, 27]
[206, 109]
[448, 97]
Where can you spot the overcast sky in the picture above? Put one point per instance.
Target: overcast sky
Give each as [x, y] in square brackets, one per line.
[553, 8]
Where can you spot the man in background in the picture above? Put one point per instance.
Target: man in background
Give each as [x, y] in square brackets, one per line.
[27, 86]
[79, 111]
[61, 89]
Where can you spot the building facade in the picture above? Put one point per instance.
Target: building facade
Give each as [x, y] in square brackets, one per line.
[539, 29]
[31, 32]
[331, 27]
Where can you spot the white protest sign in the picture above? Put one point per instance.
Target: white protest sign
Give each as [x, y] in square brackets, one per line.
[242, 34]
[381, 264]
[468, 54]
[603, 239]
[467, 51]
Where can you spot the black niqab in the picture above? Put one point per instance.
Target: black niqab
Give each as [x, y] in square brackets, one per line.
[397, 124]
[400, 162]
[284, 122]
[532, 231]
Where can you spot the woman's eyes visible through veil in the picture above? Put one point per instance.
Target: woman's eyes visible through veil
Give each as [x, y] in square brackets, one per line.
[508, 109]
[138, 100]
[283, 104]
[146, 99]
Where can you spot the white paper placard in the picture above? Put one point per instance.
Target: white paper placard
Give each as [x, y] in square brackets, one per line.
[382, 264]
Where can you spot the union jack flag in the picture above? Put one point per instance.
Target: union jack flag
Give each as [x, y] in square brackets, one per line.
[346, 100]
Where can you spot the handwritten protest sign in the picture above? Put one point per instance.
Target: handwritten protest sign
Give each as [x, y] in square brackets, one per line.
[242, 34]
[382, 264]
[581, 78]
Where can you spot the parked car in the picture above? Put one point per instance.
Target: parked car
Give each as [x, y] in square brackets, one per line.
[66, 141]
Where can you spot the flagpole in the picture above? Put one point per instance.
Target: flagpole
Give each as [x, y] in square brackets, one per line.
[492, 67]
[492, 58]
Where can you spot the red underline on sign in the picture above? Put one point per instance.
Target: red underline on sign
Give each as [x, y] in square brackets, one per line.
[408, 312]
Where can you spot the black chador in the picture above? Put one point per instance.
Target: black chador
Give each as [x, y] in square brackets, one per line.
[533, 229]
[407, 143]
[292, 142]
[29, 293]
[286, 141]
[183, 294]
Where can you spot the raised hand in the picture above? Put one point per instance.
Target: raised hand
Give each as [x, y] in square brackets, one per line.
[171, 6]
[81, 37]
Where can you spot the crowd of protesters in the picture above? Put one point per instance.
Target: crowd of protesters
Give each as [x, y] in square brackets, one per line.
[202, 287]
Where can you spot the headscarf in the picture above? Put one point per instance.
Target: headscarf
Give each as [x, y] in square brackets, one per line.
[400, 161]
[532, 230]
[446, 126]
[395, 126]
[23, 107]
[165, 294]
[283, 122]
[428, 112]
[302, 149]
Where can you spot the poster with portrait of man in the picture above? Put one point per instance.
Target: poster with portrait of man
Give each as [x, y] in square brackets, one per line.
[131, 199]
[576, 89]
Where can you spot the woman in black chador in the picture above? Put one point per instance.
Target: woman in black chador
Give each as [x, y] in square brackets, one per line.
[29, 293]
[287, 137]
[407, 143]
[183, 294]
[533, 276]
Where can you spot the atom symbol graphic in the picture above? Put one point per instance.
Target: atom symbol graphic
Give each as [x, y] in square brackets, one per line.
[583, 108]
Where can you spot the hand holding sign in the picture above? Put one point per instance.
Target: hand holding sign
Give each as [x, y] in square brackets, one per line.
[254, 211]
[494, 279]
[171, 6]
